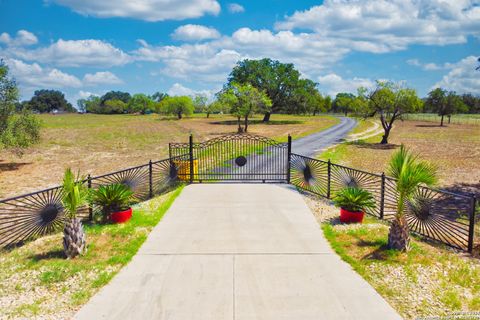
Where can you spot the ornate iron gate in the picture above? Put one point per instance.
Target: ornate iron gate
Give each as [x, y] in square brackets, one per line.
[234, 157]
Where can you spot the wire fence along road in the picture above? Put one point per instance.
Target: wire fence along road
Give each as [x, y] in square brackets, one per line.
[435, 214]
[473, 119]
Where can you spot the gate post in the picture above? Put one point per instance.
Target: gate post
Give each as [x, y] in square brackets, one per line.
[329, 171]
[289, 157]
[382, 196]
[191, 157]
[471, 229]
[150, 179]
[90, 209]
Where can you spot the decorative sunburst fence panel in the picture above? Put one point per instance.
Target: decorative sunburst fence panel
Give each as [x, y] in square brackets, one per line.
[33, 215]
[342, 177]
[309, 174]
[40, 213]
[435, 214]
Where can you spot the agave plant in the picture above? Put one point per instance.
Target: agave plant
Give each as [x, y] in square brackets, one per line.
[354, 199]
[74, 195]
[111, 198]
[410, 173]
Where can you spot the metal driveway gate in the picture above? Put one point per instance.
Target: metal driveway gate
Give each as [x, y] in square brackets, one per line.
[233, 157]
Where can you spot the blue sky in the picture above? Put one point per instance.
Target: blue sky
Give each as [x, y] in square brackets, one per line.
[189, 46]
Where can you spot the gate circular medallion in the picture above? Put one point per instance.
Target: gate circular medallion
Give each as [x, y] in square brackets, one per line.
[49, 213]
[240, 161]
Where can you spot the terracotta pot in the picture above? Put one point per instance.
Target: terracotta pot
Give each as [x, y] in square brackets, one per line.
[351, 216]
[121, 216]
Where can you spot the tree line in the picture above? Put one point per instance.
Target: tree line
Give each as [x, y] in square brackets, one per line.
[262, 86]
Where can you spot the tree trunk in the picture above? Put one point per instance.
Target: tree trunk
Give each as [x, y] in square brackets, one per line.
[385, 136]
[266, 117]
[246, 124]
[179, 115]
[449, 117]
[208, 114]
[74, 239]
[441, 121]
[239, 130]
[398, 236]
[346, 112]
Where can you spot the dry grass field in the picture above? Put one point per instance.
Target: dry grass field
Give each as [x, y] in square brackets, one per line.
[98, 144]
[454, 149]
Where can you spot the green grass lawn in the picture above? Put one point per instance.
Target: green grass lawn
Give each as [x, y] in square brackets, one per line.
[429, 280]
[36, 280]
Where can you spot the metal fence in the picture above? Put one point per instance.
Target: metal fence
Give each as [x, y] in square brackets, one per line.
[39, 213]
[439, 215]
[435, 214]
[473, 119]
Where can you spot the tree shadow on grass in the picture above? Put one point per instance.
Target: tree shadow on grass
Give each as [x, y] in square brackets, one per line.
[467, 189]
[431, 126]
[382, 253]
[333, 221]
[271, 122]
[11, 166]
[374, 146]
[54, 254]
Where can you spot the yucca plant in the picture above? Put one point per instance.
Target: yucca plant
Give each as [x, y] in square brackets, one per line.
[74, 195]
[111, 198]
[410, 173]
[354, 199]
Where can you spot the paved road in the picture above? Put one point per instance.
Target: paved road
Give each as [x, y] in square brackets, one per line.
[314, 143]
[236, 251]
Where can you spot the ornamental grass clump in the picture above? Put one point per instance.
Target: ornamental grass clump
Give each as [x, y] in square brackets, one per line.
[354, 199]
[111, 198]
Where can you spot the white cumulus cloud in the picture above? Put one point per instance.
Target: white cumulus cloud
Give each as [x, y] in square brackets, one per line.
[84, 95]
[195, 32]
[333, 84]
[235, 8]
[23, 38]
[383, 26]
[101, 78]
[148, 10]
[179, 90]
[74, 53]
[212, 61]
[462, 77]
[32, 76]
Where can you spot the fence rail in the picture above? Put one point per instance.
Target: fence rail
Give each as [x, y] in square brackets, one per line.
[473, 119]
[39, 213]
[435, 214]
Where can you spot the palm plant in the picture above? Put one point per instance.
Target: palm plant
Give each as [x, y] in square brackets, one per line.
[74, 195]
[354, 199]
[111, 198]
[410, 173]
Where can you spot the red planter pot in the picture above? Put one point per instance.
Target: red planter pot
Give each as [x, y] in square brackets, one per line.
[351, 217]
[121, 216]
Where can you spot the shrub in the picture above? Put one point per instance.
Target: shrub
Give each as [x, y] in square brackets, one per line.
[354, 199]
[111, 198]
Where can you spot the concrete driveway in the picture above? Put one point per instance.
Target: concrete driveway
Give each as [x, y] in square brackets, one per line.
[237, 251]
